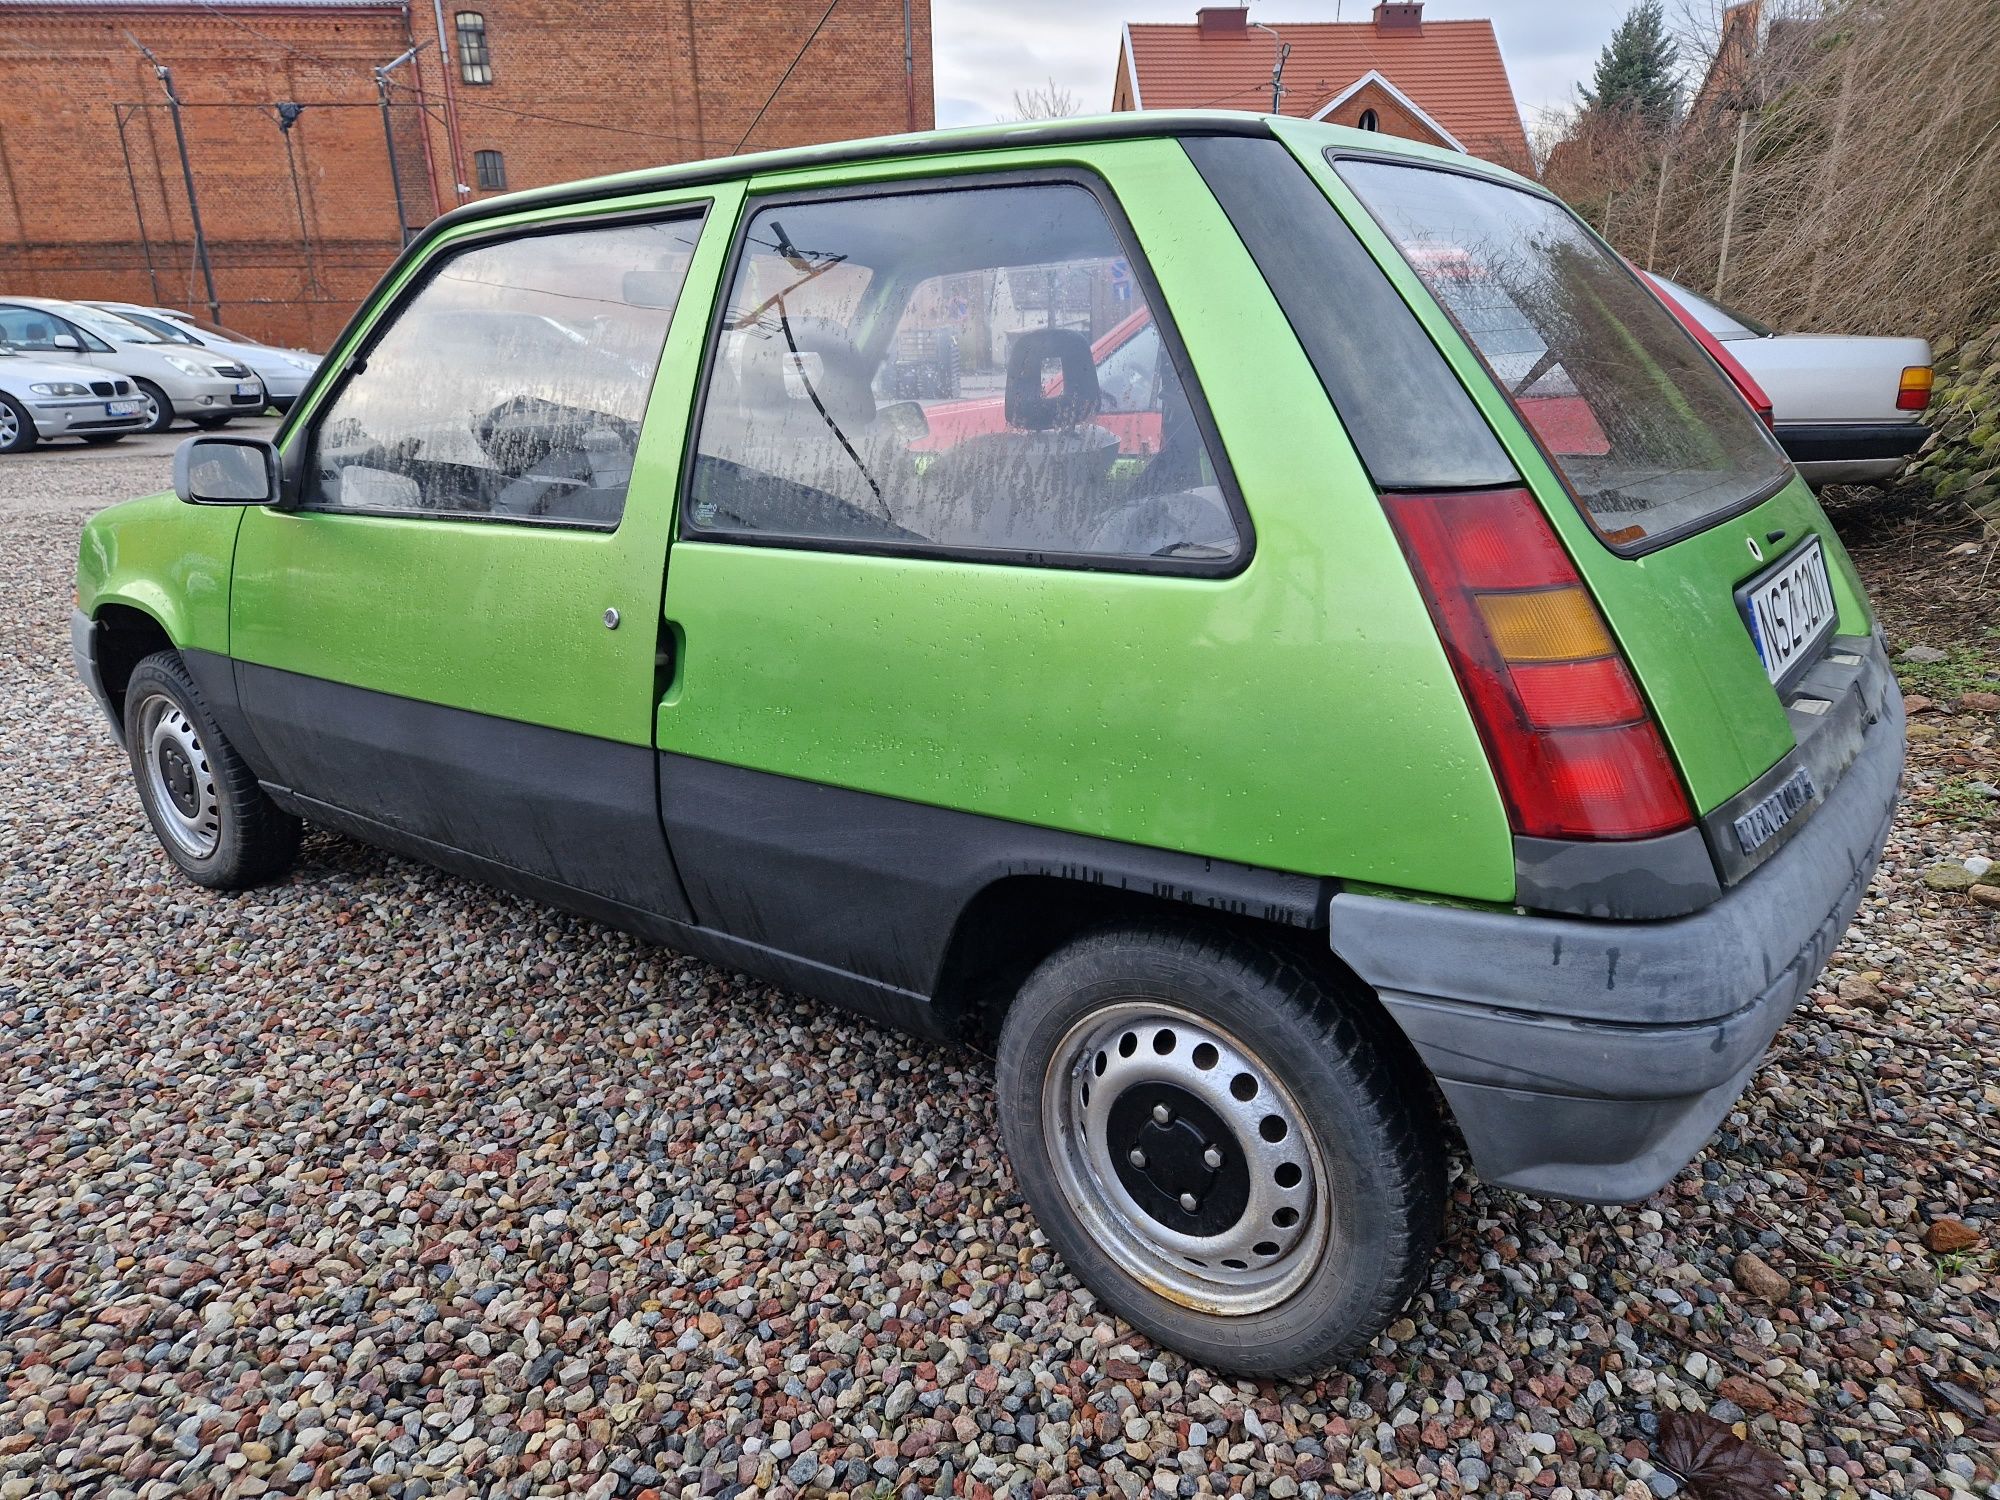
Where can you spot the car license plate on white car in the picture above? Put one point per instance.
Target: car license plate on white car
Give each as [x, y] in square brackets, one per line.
[1790, 610]
[121, 408]
[246, 387]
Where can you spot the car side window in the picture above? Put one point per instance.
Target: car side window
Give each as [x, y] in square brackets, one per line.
[511, 387]
[31, 328]
[970, 369]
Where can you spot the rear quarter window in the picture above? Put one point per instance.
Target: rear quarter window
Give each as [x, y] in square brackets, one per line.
[1643, 426]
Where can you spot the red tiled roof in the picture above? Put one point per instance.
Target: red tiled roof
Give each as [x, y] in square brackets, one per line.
[1452, 69]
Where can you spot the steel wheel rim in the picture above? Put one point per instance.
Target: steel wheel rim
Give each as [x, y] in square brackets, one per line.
[179, 777]
[1110, 1078]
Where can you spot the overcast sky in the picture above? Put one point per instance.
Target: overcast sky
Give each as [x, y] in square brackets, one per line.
[985, 49]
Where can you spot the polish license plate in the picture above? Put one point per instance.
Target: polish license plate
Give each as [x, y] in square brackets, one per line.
[121, 408]
[1762, 823]
[1790, 610]
[246, 387]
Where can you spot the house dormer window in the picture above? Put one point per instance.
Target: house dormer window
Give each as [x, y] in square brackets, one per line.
[1368, 121]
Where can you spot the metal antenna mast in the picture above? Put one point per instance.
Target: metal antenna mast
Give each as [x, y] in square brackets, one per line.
[166, 77]
[1278, 67]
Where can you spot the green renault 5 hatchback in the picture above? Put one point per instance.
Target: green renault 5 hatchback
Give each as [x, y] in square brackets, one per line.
[1271, 631]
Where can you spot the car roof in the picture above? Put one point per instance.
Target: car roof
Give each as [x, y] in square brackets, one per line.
[1126, 125]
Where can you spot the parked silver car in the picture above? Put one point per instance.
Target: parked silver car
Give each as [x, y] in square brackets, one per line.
[172, 379]
[1847, 409]
[283, 371]
[42, 398]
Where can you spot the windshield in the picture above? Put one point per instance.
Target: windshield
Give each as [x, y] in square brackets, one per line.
[109, 325]
[1642, 424]
[215, 330]
[167, 332]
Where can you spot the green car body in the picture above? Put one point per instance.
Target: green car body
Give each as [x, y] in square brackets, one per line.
[899, 778]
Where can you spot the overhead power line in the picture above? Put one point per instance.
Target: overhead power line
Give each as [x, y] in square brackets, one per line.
[786, 77]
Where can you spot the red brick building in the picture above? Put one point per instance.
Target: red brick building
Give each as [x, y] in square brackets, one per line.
[299, 209]
[1442, 82]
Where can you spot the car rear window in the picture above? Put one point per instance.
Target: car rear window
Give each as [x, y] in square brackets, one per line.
[1643, 426]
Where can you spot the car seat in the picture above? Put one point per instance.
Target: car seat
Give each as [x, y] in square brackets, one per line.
[1042, 486]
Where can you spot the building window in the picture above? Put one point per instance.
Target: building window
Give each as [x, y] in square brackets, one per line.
[489, 170]
[475, 60]
[1368, 120]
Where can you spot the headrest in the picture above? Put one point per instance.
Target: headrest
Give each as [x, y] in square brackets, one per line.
[827, 361]
[1030, 403]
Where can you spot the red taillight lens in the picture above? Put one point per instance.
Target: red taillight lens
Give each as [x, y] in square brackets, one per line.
[1913, 391]
[1576, 750]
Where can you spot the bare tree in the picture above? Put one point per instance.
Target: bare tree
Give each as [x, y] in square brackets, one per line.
[1053, 102]
[1847, 151]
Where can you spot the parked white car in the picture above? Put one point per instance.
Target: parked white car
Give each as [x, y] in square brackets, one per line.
[41, 398]
[283, 371]
[1847, 408]
[173, 379]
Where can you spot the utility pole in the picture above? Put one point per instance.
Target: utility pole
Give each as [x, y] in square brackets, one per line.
[909, 72]
[1277, 68]
[288, 116]
[166, 77]
[447, 58]
[389, 137]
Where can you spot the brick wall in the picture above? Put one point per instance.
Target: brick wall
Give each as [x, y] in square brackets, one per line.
[91, 195]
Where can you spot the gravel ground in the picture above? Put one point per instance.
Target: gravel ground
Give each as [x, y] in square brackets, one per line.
[379, 1183]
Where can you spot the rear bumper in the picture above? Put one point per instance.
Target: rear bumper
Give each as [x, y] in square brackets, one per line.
[1850, 452]
[1812, 442]
[1591, 1059]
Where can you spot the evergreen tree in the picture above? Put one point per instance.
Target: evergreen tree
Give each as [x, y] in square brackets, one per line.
[1635, 72]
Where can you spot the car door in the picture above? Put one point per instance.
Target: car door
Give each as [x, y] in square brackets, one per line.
[42, 332]
[918, 656]
[452, 642]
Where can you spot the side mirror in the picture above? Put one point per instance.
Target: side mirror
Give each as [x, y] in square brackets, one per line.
[67, 341]
[226, 471]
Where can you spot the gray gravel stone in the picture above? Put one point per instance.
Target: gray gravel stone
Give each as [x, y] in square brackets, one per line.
[377, 1182]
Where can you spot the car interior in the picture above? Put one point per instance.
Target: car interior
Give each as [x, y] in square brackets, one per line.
[794, 438]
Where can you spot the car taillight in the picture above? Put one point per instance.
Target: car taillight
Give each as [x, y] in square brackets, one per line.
[1913, 391]
[1573, 744]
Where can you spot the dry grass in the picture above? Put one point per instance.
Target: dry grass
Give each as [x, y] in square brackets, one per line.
[1868, 198]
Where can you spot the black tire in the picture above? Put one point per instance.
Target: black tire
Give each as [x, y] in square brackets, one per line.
[211, 423]
[192, 782]
[17, 429]
[102, 439]
[163, 408]
[1369, 1134]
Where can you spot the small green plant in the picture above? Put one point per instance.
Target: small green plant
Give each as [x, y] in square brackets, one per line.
[1957, 801]
[1965, 669]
